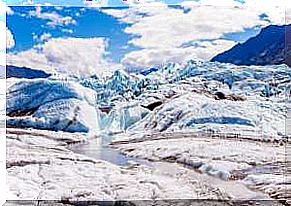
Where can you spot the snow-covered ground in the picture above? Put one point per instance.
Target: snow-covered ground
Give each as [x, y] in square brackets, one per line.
[39, 166]
[257, 164]
[207, 128]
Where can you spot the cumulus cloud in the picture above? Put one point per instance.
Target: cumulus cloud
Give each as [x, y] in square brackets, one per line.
[77, 56]
[152, 57]
[9, 39]
[129, 16]
[225, 3]
[274, 9]
[97, 4]
[171, 27]
[288, 16]
[54, 19]
[162, 31]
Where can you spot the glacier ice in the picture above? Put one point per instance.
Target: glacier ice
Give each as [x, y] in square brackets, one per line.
[52, 105]
[196, 96]
[30, 94]
[69, 115]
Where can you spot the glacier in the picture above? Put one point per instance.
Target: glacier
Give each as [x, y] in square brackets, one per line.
[52, 105]
[197, 95]
[215, 130]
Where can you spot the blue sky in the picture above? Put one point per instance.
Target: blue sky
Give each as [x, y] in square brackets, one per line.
[128, 37]
[90, 23]
[110, 3]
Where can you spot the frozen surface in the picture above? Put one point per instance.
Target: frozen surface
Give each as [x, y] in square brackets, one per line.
[257, 164]
[36, 165]
[210, 131]
[197, 96]
[200, 113]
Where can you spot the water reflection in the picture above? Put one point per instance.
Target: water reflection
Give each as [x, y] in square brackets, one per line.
[98, 149]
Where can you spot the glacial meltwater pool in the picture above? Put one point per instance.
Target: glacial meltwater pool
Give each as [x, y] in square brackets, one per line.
[98, 148]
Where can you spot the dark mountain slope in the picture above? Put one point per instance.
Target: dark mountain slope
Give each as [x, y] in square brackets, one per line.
[271, 46]
[24, 72]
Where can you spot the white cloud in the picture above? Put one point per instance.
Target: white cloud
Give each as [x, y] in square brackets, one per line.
[161, 31]
[152, 56]
[225, 3]
[45, 37]
[288, 16]
[54, 19]
[9, 39]
[76, 56]
[2, 35]
[70, 31]
[124, 15]
[97, 4]
[170, 27]
[273, 8]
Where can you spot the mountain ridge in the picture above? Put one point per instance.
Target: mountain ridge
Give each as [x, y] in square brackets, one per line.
[271, 46]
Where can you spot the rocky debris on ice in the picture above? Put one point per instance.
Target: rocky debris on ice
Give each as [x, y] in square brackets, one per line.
[196, 112]
[202, 96]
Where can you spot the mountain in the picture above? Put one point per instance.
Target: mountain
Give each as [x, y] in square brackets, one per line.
[24, 72]
[271, 46]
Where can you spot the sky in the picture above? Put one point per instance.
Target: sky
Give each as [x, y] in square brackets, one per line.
[86, 39]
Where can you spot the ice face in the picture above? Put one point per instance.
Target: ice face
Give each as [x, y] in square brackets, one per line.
[197, 96]
[53, 105]
[30, 94]
[69, 115]
[183, 97]
[203, 114]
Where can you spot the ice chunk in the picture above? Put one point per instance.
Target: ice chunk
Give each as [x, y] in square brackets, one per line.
[53, 105]
[123, 116]
[70, 115]
[30, 94]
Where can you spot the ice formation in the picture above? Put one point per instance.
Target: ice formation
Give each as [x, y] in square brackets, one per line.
[52, 105]
[197, 96]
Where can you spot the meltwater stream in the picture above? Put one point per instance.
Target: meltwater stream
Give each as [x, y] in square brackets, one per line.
[98, 149]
